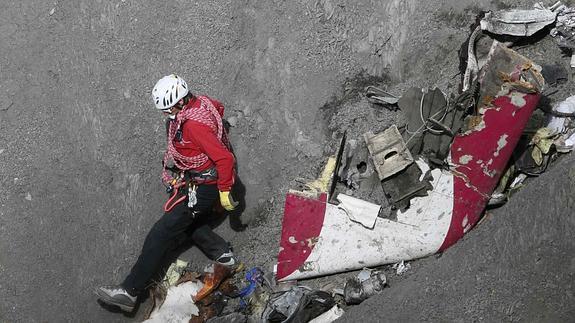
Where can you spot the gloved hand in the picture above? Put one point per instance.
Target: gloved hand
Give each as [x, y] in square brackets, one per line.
[227, 201]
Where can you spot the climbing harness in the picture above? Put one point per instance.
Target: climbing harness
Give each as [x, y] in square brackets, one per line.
[192, 198]
[174, 200]
[188, 180]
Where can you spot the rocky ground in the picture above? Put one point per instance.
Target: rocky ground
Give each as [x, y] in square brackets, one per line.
[80, 143]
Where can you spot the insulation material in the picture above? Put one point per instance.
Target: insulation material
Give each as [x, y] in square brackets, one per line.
[178, 305]
[517, 22]
[358, 210]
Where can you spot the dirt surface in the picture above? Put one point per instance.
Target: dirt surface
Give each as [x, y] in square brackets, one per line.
[81, 145]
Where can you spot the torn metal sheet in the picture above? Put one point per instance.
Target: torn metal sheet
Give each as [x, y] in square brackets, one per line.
[379, 96]
[564, 31]
[567, 107]
[388, 152]
[297, 304]
[359, 211]
[511, 86]
[517, 22]
[313, 230]
[403, 186]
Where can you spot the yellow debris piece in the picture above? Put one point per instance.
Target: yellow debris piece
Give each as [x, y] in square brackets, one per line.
[321, 184]
[174, 272]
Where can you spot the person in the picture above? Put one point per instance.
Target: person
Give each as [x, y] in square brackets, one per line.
[204, 169]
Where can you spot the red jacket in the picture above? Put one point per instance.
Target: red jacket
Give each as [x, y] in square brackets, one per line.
[199, 138]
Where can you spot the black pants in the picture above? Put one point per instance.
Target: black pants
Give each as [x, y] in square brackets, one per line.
[165, 234]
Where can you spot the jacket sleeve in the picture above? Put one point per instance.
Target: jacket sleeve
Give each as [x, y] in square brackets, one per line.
[203, 137]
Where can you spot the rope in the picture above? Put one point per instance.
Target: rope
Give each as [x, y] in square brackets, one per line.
[206, 114]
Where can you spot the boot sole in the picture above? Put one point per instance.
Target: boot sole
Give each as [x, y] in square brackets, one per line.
[111, 301]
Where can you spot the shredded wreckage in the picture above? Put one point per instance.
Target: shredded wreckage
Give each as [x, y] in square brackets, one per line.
[439, 172]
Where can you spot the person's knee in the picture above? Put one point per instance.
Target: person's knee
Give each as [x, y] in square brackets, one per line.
[165, 230]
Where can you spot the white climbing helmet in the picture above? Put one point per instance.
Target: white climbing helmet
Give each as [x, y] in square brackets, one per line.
[168, 91]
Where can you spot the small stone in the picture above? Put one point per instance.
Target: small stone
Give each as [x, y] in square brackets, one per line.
[127, 94]
[2, 150]
[52, 11]
[6, 104]
[247, 111]
[233, 121]
[28, 196]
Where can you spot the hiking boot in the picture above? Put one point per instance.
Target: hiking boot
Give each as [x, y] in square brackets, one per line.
[227, 259]
[116, 295]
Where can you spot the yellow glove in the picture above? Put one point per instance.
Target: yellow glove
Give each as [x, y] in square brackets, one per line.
[227, 201]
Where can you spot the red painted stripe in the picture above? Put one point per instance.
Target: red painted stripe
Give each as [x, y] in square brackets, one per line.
[302, 223]
[482, 145]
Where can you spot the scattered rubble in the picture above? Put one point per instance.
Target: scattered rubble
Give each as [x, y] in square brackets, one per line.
[333, 314]
[366, 284]
[401, 267]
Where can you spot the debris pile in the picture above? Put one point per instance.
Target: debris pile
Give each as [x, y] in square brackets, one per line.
[222, 295]
[453, 156]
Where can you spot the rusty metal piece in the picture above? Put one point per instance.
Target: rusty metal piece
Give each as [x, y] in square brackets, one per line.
[505, 77]
[388, 151]
[212, 280]
[487, 100]
[228, 288]
[187, 277]
[473, 121]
